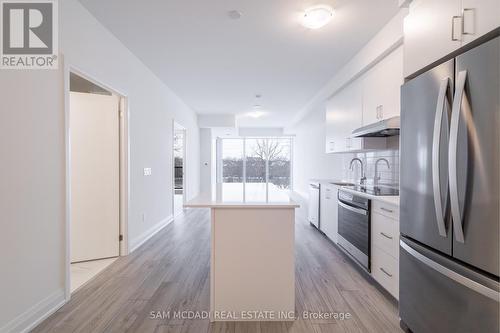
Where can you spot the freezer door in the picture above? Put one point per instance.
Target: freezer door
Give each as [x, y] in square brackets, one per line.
[425, 110]
[439, 295]
[474, 157]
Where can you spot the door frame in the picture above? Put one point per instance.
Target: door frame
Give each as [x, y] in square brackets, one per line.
[124, 161]
[177, 126]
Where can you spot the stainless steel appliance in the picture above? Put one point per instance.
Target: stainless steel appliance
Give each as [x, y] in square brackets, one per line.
[313, 212]
[383, 128]
[449, 210]
[354, 227]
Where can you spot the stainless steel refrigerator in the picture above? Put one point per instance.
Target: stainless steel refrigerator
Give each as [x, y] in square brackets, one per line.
[450, 209]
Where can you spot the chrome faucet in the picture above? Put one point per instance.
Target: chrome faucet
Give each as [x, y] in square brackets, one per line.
[376, 179]
[362, 181]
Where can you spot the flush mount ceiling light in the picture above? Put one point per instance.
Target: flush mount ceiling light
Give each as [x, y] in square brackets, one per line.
[234, 14]
[257, 112]
[317, 17]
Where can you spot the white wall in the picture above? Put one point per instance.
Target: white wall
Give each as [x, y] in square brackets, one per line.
[206, 160]
[32, 191]
[216, 120]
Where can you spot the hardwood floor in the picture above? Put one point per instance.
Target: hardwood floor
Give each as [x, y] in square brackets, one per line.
[171, 273]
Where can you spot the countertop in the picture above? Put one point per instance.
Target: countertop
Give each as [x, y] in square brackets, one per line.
[238, 195]
[389, 199]
[392, 200]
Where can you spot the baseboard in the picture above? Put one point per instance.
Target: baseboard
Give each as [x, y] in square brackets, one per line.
[145, 236]
[29, 319]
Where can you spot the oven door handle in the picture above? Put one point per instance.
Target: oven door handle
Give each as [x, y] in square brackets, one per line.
[353, 209]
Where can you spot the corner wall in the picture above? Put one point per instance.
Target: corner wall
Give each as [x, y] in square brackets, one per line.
[32, 150]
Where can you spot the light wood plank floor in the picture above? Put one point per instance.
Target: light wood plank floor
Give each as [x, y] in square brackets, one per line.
[171, 273]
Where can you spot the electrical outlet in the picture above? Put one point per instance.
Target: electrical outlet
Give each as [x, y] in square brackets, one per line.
[147, 172]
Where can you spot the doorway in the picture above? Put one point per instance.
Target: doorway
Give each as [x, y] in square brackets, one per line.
[96, 134]
[179, 167]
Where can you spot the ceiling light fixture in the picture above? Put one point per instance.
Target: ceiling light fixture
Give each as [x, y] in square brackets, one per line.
[257, 112]
[317, 17]
[234, 14]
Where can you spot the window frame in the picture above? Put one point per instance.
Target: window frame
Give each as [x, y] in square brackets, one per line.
[219, 164]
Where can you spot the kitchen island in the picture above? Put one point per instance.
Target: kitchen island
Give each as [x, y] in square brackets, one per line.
[252, 271]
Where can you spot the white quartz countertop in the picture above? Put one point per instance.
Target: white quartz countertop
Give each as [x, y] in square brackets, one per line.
[392, 200]
[239, 195]
[389, 199]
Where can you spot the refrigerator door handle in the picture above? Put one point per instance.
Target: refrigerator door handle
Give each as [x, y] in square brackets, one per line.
[452, 157]
[471, 284]
[442, 105]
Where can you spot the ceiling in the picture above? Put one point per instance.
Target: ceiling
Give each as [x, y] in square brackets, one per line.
[218, 65]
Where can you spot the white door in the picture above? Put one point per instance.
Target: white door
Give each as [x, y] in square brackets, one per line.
[94, 137]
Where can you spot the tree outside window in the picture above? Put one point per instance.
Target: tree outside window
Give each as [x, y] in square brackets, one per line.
[257, 160]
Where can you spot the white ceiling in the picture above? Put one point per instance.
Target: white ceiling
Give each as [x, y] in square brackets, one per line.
[217, 65]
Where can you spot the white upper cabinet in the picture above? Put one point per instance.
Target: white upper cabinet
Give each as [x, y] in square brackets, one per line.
[381, 88]
[343, 115]
[372, 97]
[433, 29]
[428, 32]
[480, 17]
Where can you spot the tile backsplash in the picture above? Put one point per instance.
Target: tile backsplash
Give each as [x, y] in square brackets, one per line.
[388, 176]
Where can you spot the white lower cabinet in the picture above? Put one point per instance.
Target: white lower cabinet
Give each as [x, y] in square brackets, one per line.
[385, 269]
[385, 246]
[385, 234]
[329, 211]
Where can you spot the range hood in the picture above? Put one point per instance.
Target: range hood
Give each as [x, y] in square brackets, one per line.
[383, 128]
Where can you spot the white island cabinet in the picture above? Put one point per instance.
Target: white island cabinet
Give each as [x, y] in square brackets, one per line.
[252, 269]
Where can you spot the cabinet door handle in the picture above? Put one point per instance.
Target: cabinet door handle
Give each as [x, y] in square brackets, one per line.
[386, 210]
[464, 11]
[385, 272]
[385, 235]
[380, 111]
[453, 18]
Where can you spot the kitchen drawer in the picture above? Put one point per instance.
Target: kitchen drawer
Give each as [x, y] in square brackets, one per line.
[385, 270]
[385, 209]
[385, 234]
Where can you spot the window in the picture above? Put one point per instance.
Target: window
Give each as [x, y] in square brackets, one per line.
[266, 161]
[232, 160]
[279, 156]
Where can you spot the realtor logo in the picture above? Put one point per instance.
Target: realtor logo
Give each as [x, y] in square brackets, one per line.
[29, 37]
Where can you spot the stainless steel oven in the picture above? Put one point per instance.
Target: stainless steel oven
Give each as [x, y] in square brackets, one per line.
[354, 227]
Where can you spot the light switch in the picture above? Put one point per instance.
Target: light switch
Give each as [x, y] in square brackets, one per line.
[147, 171]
